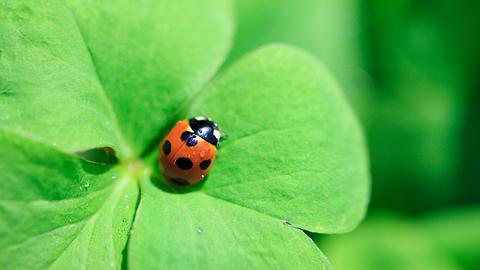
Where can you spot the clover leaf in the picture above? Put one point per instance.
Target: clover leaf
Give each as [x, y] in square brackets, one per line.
[59, 211]
[80, 75]
[334, 31]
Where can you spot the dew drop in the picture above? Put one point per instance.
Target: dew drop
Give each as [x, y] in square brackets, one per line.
[86, 186]
[199, 230]
[114, 177]
[203, 175]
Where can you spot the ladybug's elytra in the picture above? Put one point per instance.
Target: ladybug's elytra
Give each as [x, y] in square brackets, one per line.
[189, 150]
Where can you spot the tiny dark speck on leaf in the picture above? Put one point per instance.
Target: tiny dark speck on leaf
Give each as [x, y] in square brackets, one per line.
[285, 222]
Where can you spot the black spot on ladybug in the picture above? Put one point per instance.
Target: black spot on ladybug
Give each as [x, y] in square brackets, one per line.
[204, 164]
[167, 147]
[185, 135]
[180, 181]
[190, 137]
[184, 163]
[192, 141]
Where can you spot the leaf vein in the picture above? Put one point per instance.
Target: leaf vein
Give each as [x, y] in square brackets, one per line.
[102, 85]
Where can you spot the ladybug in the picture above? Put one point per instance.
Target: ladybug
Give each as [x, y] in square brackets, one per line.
[189, 150]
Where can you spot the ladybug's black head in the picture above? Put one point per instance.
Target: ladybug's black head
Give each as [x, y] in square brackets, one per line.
[205, 128]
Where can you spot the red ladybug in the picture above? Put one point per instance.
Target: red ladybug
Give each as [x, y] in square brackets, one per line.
[189, 150]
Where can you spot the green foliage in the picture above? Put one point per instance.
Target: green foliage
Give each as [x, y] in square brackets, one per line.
[406, 67]
[411, 70]
[89, 74]
[49, 90]
[287, 86]
[150, 56]
[332, 30]
[446, 240]
[457, 233]
[198, 231]
[58, 211]
[302, 132]
[119, 72]
[421, 79]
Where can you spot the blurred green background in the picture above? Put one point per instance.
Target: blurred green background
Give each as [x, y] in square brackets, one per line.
[411, 71]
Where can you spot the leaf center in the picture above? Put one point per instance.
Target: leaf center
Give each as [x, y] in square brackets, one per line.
[136, 169]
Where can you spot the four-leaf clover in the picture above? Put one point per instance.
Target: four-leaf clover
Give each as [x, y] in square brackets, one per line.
[77, 75]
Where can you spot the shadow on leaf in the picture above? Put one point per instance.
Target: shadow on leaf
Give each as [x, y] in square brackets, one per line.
[160, 182]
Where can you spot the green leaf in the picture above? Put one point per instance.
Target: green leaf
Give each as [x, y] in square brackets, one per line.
[196, 231]
[151, 55]
[60, 212]
[294, 150]
[77, 75]
[94, 72]
[333, 31]
[294, 159]
[49, 89]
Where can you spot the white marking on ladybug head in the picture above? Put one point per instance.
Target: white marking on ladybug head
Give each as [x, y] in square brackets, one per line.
[200, 118]
[217, 134]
